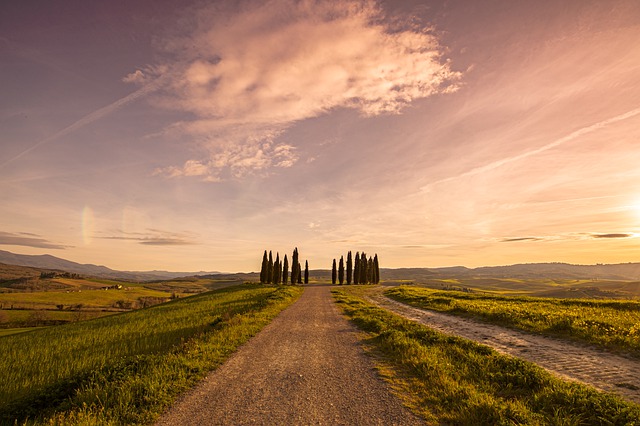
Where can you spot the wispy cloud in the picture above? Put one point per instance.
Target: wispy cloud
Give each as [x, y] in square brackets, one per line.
[612, 235]
[570, 137]
[237, 160]
[26, 239]
[249, 72]
[569, 237]
[94, 116]
[517, 239]
[154, 237]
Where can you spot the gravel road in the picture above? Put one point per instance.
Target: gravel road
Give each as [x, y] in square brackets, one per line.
[598, 368]
[305, 368]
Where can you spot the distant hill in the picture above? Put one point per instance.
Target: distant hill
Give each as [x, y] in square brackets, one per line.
[49, 262]
[564, 271]
[10, 272]
[621, 271]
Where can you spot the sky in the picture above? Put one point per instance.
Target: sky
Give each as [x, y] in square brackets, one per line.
[193, 135]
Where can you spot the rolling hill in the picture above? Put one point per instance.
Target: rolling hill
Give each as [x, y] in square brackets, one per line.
[49, 262]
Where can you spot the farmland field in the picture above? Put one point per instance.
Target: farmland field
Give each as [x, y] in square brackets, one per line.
[613, 324]
[125, 368]
[63, 300]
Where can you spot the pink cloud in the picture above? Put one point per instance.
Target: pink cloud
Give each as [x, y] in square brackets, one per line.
[251, 73]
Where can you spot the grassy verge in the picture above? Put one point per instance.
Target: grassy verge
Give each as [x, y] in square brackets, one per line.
[125, 369]
[613, 324]
[10, 331]
[455, 381]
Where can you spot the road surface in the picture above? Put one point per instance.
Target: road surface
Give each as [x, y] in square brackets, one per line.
[305, 368]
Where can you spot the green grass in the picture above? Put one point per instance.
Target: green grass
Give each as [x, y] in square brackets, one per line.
[126, 368]
[92, 299]
[613, 324]
[450, 380]
[10, 331]
[62, 300]
[538, 287]
[82, 299]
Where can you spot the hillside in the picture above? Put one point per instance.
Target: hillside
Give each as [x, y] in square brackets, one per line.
[49, 262]
[552, 271]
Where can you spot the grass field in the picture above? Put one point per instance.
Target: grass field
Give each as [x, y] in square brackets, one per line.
[450, 380]
[10, 331]
[124, 369]
[613, 324]
[538, 287]
[63, 300]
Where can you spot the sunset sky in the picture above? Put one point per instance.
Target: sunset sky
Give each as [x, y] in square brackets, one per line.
[189, 136]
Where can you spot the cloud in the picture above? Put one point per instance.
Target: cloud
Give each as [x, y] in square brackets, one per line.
[155, 237]
[612, 235]
[94, 116]
[165, 242]
[134, 77]
[237, 161]
[569, 237]
[27, 240]
[249, 72]
[556, 143]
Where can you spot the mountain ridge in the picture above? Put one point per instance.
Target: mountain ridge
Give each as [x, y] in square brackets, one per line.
[551, 270]
[47, 261]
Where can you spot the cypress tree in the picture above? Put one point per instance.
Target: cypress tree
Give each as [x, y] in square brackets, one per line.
[294, 266]
[365, 268]
[285, 270]
[341, 271]
[299, 273]
[333, 272]
[306, 272]
[349, 268]
[270, 268]
[276, 270]
[356, 269]
[263, 269]
[376, 268]
[370, 271]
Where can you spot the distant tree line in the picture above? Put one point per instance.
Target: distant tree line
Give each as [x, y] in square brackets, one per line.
[54, 274]
[277, 271]
[362, 270]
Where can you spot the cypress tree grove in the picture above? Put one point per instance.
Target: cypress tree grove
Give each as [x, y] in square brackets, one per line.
[263, 269]
[285, 270]
[333, 272]
[349, 267]
[306, 272]
[356, 269]
[341, 271]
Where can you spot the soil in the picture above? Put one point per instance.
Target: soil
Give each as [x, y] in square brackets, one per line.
[603, 370]
[305, 368]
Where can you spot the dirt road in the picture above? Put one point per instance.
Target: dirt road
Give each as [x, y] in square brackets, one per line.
[305, 368]
[573, 361]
